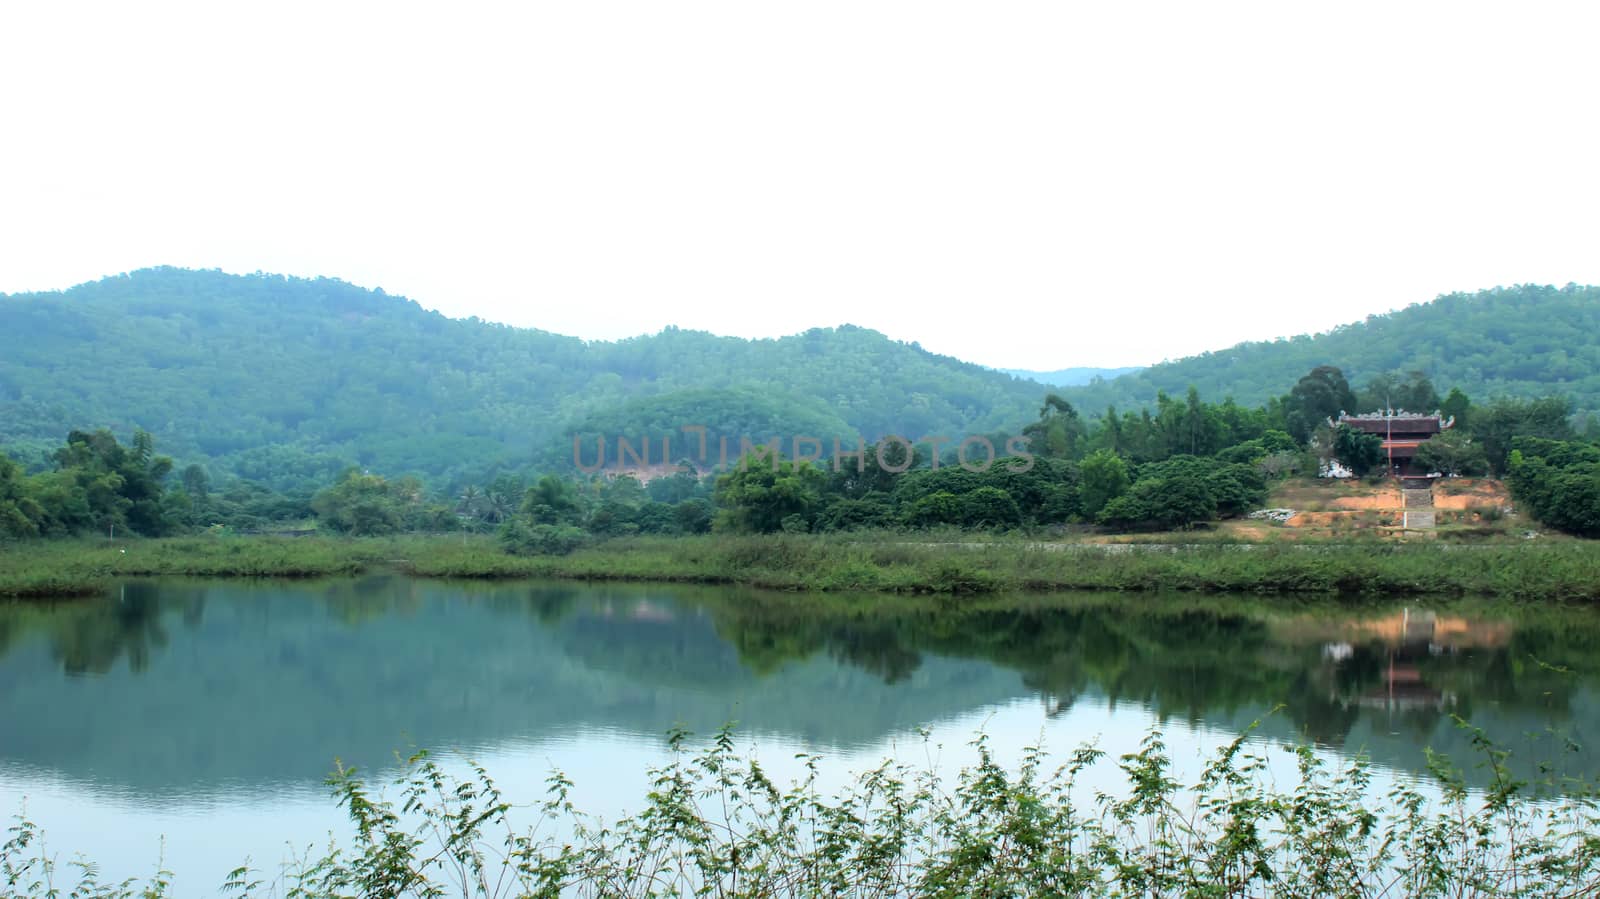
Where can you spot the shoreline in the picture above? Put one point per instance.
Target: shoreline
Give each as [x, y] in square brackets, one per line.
[869, 562]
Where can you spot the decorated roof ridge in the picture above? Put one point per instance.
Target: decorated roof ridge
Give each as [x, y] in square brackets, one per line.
[1383, 414]
[1395, 415]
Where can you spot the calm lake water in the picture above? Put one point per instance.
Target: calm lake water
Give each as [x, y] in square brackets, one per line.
[196, 721]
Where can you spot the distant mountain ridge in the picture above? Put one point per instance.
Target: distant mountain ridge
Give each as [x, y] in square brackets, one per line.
[1523, 341]
[1072, 377]
[289, 380]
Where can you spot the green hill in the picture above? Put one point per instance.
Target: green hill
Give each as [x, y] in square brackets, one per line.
[1525, 341]
[288, 380]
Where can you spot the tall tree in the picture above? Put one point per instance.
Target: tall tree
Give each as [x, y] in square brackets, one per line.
[1457, 406]
[1496, 424]
[1102, 477]
[1357, 450]
[1058, 431]
[1411, 391]
[767, 493]
[1322, 394]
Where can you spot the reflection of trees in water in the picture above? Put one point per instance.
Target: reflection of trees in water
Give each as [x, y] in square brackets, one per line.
[1189, 658]
[879, 650]
[1192, 658]
[358, 600]
[128, 627]
[1185, 663]
[91, 636]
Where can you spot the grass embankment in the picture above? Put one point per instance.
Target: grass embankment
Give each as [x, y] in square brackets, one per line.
[85, 567]
[968, 564]
[886, 562]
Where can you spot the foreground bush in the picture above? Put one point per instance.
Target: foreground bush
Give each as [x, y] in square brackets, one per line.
[715, 824]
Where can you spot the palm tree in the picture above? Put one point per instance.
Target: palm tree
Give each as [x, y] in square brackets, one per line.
[498, 506]
[470, 502]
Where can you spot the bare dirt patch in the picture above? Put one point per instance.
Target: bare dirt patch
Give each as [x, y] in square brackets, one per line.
[1380, 499]
[1460, 494]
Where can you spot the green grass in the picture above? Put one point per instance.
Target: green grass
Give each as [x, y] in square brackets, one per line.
[967, 564]
[85, 567]
[947, 563]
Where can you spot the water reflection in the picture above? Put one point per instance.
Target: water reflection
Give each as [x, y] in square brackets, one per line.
[180, 689]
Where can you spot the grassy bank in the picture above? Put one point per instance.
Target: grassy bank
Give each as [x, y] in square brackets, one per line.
[53, 568]
[887, 562]
[964, 564]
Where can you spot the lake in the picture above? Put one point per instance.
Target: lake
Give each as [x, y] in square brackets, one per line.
[195, 722]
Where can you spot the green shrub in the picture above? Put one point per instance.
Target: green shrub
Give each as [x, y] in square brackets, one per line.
[523, 539]
[714, 823]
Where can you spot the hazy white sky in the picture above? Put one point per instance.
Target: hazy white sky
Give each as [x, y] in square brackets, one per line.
[1019, 184]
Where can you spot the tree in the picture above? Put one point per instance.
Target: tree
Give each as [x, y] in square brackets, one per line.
[20, 514]
[1497, 424]
[364, 505]
[1111, 431]
[520, 537]
[1202, 431]
[1180, 501]
[552, 500]
[1322, 394]
[878, 471]
[677, 487]
[1558, 482]
[1236, 489]
[1184, 502]
[1103, 477]
[624, 489]
[104, 486]
[1457, 406]
[1280, 465]
[693, 516]
[470, 503]
[1452, 453]
[934, 509]
[871, 511]
[1357, 450]
[989, 507]
[1411, 391]
[196, 482]
[1058, 431]
[764, 489]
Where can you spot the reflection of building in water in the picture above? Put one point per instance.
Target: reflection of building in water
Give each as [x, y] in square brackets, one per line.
[1405, 639]
[1439, 633]
[1403, 689]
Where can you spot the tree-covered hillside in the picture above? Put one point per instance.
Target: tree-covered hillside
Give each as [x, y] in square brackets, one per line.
[287, 380]
[1527, 341]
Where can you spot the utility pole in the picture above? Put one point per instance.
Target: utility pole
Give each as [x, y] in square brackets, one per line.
[1388, 430]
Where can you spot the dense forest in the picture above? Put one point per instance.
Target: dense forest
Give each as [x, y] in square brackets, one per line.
[1184, 464]
[291, 404]
[1527, 341]
[288, 381]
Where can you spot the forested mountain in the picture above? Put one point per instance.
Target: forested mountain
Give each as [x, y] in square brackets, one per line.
[287, 380]
[1527, 341]
[1070, 377]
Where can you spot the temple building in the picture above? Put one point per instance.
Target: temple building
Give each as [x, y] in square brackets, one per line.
[1402, 432]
